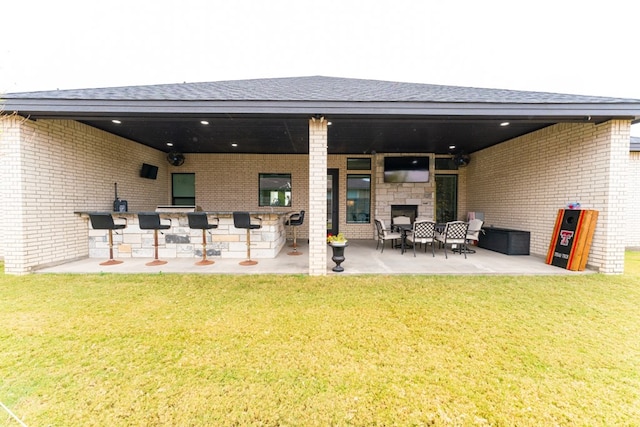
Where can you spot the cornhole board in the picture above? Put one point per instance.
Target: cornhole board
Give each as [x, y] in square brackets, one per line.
[571, 240]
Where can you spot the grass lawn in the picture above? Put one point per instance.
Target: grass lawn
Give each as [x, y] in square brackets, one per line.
[224, 350]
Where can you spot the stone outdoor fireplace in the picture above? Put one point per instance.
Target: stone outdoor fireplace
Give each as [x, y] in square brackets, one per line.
[407, 210]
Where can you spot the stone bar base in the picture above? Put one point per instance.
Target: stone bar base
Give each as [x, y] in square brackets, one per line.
[180, 241]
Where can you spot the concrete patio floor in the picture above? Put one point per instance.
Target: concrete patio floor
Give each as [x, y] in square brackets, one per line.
[361, 257]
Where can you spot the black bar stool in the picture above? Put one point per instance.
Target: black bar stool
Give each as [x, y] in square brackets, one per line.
[295, 221]
[104, 221]
[151, 221]
[243, 220]
[199, 221]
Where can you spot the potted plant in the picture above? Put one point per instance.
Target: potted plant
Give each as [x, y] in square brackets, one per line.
[337, 243]
[337, 240]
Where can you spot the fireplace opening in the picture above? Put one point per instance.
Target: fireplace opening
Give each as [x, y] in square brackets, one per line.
[404, 210]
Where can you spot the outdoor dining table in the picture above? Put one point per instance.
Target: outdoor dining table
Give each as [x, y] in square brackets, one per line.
[403, 229]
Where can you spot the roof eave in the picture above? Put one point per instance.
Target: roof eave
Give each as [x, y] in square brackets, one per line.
[95, 108]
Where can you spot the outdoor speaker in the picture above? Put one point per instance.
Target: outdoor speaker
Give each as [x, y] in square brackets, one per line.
[149, 171]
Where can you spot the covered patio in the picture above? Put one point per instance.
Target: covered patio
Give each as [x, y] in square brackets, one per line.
[525, 155]
[361, 257]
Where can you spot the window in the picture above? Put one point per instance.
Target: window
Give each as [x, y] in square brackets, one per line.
[359, 163]
[275, 189]
[446, 163]
[446, 197]
[358, 198]
[183, 189]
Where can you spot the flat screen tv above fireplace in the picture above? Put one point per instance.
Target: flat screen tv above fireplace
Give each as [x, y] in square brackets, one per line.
[406, 169]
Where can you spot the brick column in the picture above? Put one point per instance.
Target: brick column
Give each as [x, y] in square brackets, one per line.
[13, 237]
[614, 152]
[317, 196]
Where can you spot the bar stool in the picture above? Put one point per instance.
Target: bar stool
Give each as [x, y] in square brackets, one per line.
[243, 220]
[151, 221]
[199, 221]
[295, 221]
[104, 221]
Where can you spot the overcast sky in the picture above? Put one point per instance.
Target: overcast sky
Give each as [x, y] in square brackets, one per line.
[565, 46]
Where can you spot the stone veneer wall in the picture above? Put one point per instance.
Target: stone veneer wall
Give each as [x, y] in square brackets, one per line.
[522, 183]
[387, 194]
[180, 241]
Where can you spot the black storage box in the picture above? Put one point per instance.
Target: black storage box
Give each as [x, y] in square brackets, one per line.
[504, 240]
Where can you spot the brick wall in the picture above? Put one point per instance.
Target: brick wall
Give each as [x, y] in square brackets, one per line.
[632, 213]
[88, 163]
[228, 182]
[52, 168]
[519, 184]
[522, 183]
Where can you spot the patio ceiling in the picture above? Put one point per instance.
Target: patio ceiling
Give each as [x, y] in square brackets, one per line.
[290, 135]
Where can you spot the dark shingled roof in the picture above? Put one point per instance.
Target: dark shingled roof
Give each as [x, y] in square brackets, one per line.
[316, 88]
[271, 115]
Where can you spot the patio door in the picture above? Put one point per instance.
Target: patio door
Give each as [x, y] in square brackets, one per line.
[446, 198]
[332, 201]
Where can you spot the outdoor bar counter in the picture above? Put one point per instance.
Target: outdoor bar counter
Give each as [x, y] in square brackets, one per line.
[180, 241]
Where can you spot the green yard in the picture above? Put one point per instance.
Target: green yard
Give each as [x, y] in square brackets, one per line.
[226, 350]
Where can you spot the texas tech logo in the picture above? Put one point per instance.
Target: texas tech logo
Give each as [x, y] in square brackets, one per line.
[565, 237]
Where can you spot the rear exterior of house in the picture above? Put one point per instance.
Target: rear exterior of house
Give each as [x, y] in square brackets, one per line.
[632, 205]
[54, 168]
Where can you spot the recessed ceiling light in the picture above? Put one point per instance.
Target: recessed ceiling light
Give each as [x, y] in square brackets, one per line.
[116, 121]
[504, 124]
[234, 144]
[329, 123]
[204, 122]
[169, 144]
[452, 147]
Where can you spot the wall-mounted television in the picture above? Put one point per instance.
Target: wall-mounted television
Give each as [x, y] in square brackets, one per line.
[148, 171]
[406, 169]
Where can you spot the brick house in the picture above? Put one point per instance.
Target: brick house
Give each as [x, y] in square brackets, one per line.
[632, 214]
[515, 156]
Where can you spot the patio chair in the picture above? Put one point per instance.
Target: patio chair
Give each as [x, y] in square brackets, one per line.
[384, 234]
[473, 233]
[423, 232]
[454, 234]
[399, 220]
[200, 221]
[104, 221]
